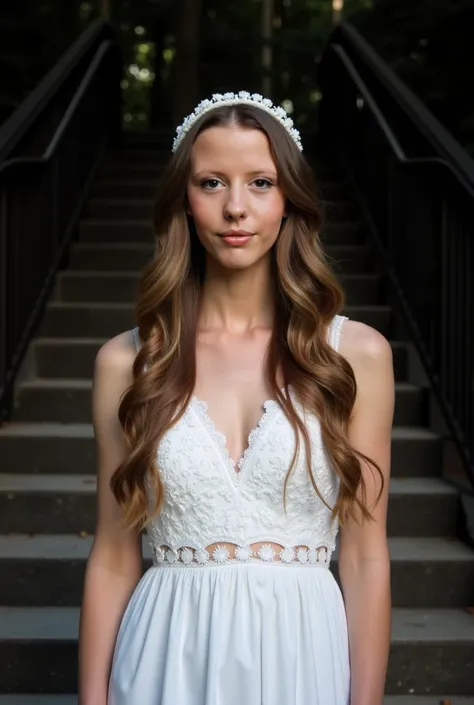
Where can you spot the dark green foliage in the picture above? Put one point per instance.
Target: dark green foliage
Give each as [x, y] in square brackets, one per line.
[427, 42]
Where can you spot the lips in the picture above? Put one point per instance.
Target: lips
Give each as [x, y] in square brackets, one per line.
[237, 233]
[236, 238]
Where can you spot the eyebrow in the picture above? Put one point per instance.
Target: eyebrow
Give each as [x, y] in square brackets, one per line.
[269, 172]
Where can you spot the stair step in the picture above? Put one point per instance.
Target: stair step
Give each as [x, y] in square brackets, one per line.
[118, 209]
[74, 357]
[88, 319]
[122, 170]
[423, 700]
[432, 650]
[69, 401]
[65, 319]
[116, 231]
[136, 227]
[110, 256]
[66, 503]
[57, 448]
[349, 259]
[425, 572]
[152, 154]
[131, 188]
[32, 699]
[142, 208]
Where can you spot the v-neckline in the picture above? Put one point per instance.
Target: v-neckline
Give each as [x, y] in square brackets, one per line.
[237, 469]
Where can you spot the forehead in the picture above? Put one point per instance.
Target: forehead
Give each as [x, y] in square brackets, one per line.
[231, 147]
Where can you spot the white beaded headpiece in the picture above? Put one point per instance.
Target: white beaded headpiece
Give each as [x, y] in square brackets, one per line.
[242, 97]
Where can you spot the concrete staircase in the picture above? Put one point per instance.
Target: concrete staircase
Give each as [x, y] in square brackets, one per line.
[47, 481]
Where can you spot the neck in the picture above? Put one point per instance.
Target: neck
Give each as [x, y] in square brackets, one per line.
[237, 300]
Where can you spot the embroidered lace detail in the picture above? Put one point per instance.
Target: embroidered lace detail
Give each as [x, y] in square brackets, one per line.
[286, 555]
[235, 469]
[215, 512]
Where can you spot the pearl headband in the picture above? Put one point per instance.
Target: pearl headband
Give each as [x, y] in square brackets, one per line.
[241, 98]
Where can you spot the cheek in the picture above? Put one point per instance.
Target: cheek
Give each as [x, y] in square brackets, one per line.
[273, 210]
[199, 208]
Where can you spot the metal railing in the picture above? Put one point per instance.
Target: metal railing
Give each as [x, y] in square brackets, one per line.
[415, 186]
[49, 149]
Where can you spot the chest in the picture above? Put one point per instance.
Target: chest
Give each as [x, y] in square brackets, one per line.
[232, 387]
[195, 463]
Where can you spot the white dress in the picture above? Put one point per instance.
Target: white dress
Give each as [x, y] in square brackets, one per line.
[205, 629]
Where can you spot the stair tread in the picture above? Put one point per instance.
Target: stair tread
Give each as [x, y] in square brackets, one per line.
[91, 305]
[47, 430]
[419, 432]
[408, 625]
[75, 547]
[94, 273]
[42, 482]
[114, 246]
[33, 699]
[405, 700]
[47, 340]
[115, 221]
[56, 383]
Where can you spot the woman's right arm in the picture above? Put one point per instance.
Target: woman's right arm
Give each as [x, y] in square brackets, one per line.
[114, 566]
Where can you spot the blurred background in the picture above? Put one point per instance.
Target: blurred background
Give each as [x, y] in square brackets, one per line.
[428, 43]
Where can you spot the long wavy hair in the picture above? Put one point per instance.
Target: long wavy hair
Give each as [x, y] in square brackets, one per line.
[306, 298]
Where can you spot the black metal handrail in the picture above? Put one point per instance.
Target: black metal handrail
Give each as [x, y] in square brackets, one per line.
[415, 187]
[60, 138]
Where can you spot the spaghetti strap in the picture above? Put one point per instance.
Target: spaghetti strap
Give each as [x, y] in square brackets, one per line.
[335, 329]
[136, 338]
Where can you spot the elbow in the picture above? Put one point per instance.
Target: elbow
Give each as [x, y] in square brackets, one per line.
[355, 567]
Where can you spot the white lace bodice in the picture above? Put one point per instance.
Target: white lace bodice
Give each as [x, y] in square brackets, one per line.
[208, 502]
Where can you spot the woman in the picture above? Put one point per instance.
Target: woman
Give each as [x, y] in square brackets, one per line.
[242, 422]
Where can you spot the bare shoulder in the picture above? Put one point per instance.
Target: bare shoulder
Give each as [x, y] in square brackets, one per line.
[117, 354]
[364, 347]
[370, 355]
[113, 372]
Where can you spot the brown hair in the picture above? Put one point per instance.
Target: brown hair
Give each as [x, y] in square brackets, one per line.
[307, 297]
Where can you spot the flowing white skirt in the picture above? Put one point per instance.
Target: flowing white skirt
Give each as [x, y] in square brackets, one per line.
[236, 634]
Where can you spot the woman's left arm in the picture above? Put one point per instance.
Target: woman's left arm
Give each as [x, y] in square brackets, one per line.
[364, 562]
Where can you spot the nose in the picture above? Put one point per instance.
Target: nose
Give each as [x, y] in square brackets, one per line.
[235, 206]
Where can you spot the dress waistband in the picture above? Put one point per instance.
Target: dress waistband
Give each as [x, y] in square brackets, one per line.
[221, 555]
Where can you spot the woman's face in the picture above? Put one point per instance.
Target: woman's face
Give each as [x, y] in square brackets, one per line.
[233, 188]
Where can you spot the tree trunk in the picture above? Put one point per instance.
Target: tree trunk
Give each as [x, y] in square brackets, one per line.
[267, 51]
[186, 74]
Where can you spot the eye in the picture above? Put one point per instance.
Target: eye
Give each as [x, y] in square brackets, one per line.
[210, 184]
[263, 184]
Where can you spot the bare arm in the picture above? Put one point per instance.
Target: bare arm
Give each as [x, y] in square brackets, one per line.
[115, 563]
[364, 563]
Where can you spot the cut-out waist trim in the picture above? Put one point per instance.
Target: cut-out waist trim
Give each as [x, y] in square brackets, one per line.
[223, 552]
